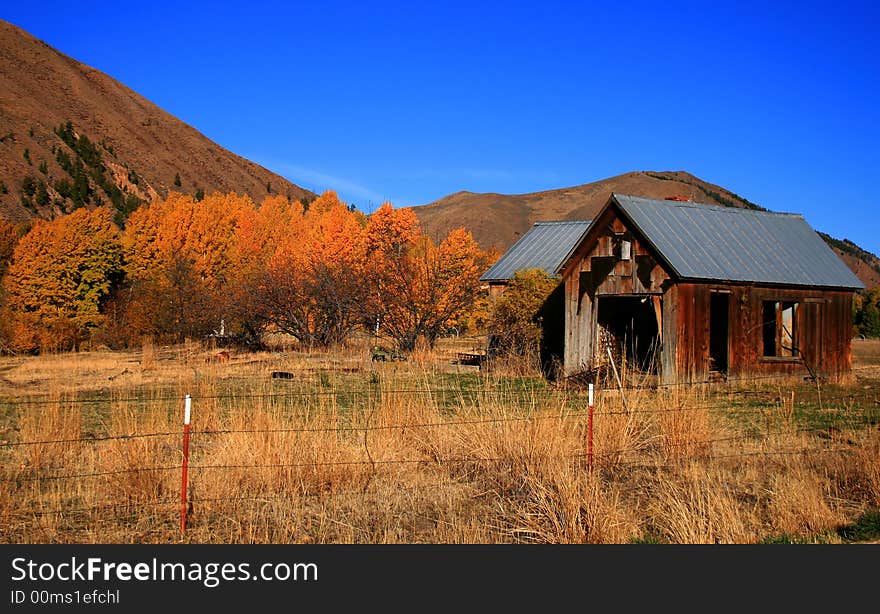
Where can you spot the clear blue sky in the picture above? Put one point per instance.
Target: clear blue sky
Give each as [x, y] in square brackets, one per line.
[409, 102]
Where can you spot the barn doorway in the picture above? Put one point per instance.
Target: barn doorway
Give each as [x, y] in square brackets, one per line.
[628, 325]
[719, 310]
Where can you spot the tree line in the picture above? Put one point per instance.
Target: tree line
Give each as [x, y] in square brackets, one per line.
[183, 268]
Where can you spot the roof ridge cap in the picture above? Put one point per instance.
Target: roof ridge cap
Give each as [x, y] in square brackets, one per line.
[543, 222]
[701, 205]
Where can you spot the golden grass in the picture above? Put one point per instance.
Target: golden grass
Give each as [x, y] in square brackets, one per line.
[417, 451]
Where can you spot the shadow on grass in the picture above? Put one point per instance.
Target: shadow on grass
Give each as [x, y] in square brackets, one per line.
[865, 528]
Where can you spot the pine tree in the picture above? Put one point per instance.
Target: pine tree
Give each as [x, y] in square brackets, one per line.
[42, 196]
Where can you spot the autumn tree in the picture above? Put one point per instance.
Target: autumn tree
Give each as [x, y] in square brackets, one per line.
[259, 233]
[181, 263]
[174, 305]
[427, 287]
[60, 276]
[390, 233]
[314, 288]
[183, 266]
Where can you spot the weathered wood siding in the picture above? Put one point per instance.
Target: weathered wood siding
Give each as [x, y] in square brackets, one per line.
[596, 270]
[823, 331]
[496, 290]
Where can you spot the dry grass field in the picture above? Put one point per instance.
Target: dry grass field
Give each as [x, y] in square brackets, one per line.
[425, 451]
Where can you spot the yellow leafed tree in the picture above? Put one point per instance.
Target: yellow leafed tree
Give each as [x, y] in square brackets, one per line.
[315, 288]
[182, 262]
[426, 287]
[60, 275]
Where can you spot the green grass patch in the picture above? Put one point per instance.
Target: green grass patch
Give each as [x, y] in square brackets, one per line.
[646, 539]
[865, 528]
[785, 538]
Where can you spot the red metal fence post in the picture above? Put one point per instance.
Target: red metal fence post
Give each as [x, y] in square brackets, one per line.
[590, 428]
[184, 479]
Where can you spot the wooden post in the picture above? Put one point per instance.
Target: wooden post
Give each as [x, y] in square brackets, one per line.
[184, 478]
[617, 377]
[590, 428]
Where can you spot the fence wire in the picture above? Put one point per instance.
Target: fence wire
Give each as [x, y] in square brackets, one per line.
[573, 396]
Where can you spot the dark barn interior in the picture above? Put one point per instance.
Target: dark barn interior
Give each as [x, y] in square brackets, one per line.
[719, 328]
[632, 323]
[552, 333]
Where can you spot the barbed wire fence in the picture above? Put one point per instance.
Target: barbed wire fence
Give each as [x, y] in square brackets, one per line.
[861, 412]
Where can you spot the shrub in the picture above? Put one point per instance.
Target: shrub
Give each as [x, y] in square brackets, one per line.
[516, 316]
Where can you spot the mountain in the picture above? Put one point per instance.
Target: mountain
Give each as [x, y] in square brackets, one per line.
[498, 220]
[72, 136]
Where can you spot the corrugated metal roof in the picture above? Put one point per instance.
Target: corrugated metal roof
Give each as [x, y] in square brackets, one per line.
[729, 244]
[546, 245]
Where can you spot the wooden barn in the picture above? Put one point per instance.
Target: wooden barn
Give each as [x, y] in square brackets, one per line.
[691, 291]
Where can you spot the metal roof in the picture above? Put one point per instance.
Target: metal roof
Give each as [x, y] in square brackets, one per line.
[546, 245]
[730, 244]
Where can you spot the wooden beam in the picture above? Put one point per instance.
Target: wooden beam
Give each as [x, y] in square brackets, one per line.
[658, 313]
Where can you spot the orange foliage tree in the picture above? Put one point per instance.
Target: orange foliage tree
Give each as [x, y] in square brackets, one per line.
[181, 263]
[184, 268]
[59, 278]
[390, 233]
[260, 232]
[420, 288]
[314, 287]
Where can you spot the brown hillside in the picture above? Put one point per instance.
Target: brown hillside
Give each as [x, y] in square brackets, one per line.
[866, 269]
[141, 146]
[498, 220]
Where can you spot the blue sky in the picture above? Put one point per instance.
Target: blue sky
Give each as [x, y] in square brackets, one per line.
[409, 102]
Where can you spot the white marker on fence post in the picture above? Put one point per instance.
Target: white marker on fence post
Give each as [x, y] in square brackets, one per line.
[590, 428]
[187, 411]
